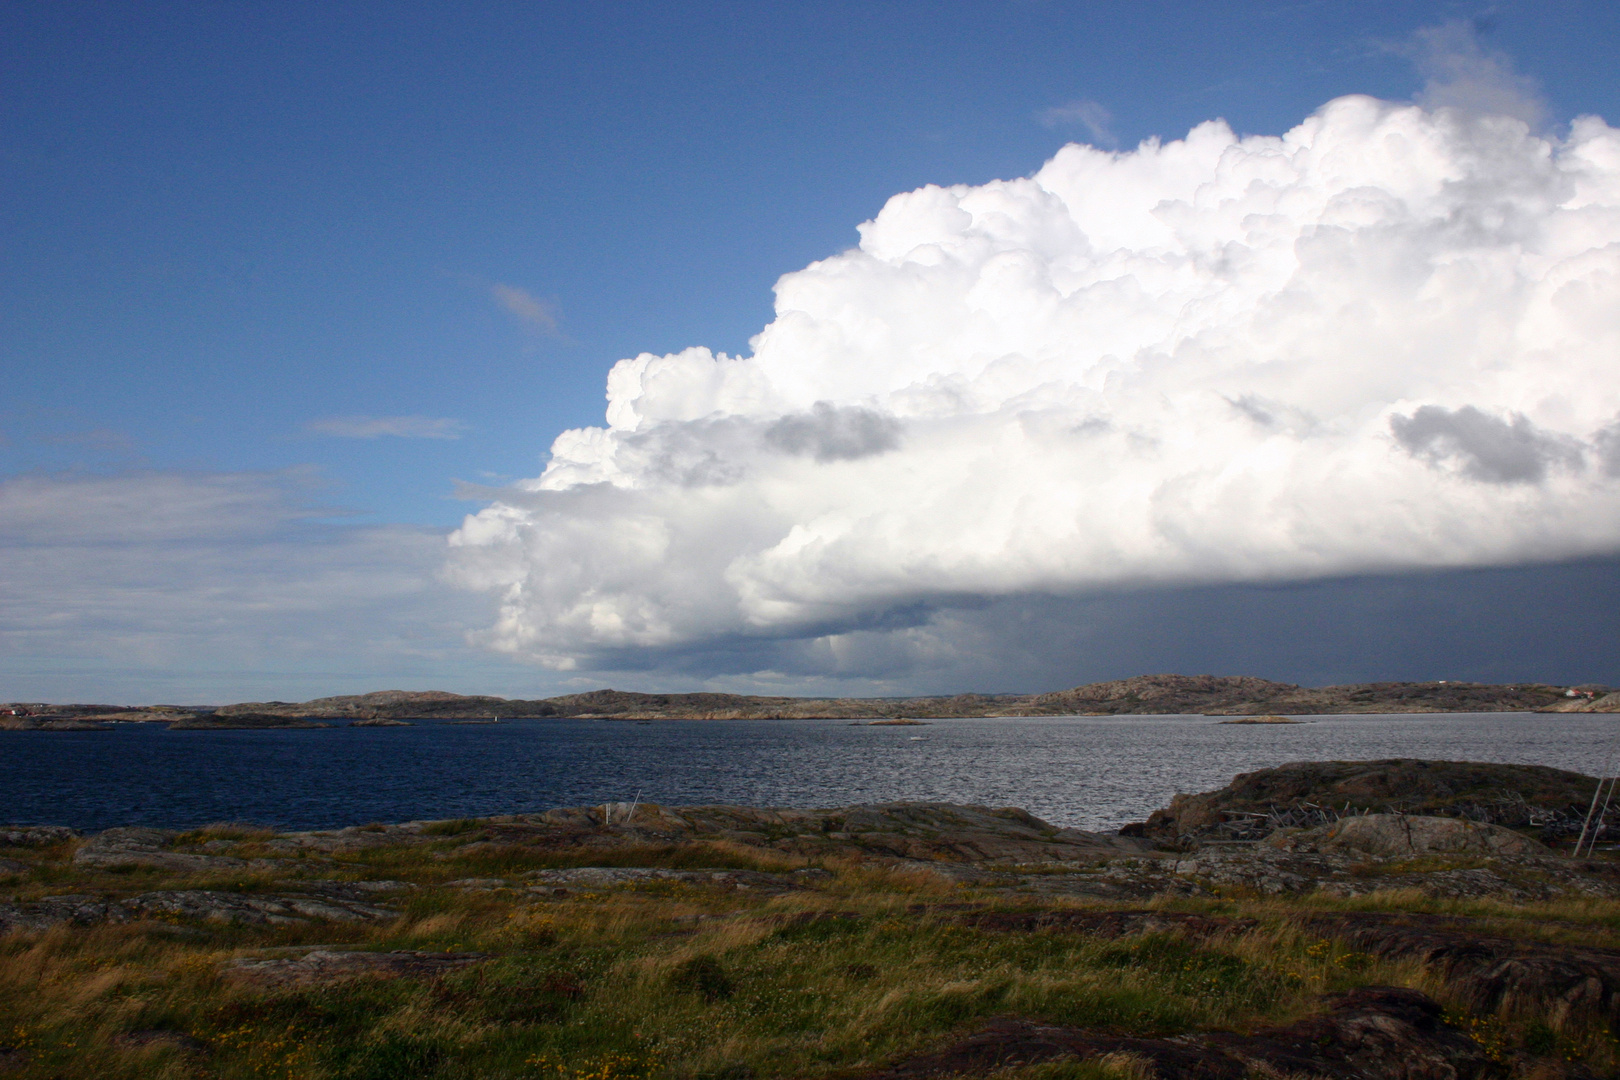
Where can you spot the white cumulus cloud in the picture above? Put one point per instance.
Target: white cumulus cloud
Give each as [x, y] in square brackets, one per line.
[1385, 340]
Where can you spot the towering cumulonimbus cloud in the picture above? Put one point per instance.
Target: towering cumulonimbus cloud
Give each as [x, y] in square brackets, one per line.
[1387, 339]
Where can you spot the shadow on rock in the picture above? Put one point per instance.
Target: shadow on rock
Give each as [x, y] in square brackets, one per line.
[1373, 1032]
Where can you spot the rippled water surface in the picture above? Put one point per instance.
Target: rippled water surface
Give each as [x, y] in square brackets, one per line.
[1093, 772]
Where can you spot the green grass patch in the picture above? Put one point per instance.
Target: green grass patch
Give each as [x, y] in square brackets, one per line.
[677, 981]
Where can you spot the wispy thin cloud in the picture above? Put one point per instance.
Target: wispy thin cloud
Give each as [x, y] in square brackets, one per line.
[150, 585]
[528, 308]
[376, 427]
[1461, 73]
[97, 440]
[1087, 114]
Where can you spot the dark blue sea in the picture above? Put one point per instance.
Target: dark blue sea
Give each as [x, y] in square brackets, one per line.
[1092, 772]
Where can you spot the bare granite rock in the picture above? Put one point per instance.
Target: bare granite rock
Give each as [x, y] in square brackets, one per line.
[1605, 703]
[599, 877]
[478, 884]
[1402, 834]
[1264, 869]
[335, 903]
[34, 835]
[76, 909]
[1120, 880]
[259, 908]
[363, 887]
[140, 846]
[327, 966]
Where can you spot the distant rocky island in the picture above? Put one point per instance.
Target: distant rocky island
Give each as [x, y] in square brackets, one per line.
[1209, 695]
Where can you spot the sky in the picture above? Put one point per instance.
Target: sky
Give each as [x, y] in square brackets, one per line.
[868, 348]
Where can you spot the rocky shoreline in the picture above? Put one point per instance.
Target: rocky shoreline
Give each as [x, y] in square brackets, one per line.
[1475, 927]
[1231, 696]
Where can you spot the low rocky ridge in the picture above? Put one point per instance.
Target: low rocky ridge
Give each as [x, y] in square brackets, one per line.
[1147, 694]
[1212, 695]
[1551, 802]
[923, 832]
[797, 875]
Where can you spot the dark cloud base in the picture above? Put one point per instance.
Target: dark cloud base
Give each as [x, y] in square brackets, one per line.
[1557, 623]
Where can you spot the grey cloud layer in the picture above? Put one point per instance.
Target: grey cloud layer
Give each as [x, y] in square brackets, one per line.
[830, 433]
[1485, 447]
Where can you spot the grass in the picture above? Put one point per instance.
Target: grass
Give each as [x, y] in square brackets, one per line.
[675, 980]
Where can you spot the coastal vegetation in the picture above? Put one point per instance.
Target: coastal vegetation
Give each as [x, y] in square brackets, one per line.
[898, 940]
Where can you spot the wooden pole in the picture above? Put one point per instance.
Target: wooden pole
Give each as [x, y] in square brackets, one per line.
[1587, 824]
[1595, 823]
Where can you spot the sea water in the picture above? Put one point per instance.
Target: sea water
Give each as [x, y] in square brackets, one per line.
[1090, 772]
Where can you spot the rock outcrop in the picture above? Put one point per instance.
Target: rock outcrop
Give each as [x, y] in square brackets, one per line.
[133, 846]
[27, 836]
[1597, 703]
[78, 909]
[272, 909]
[1313, 793]
[277, 909]
[1403, 834]
[322, 966]
[603, 877]
[1523, 879]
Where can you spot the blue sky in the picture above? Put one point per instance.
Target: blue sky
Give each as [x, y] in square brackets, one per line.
[352, 255]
